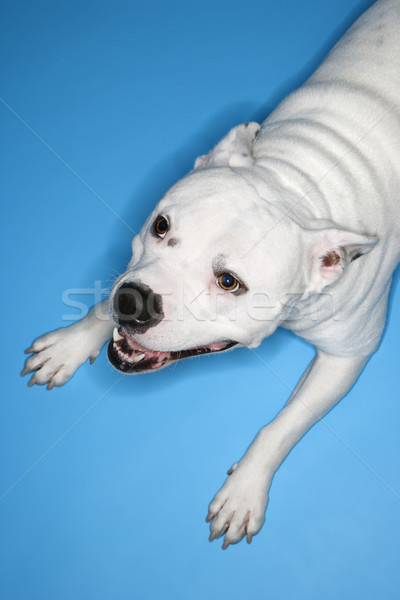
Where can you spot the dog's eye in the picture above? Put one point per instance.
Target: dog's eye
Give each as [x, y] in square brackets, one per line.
[228, 282]
[161, 226]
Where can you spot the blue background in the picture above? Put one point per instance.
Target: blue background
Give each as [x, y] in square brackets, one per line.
[104, 492]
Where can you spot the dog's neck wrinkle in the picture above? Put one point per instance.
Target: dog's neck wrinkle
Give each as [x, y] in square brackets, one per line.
[305, 152]
[282, 187]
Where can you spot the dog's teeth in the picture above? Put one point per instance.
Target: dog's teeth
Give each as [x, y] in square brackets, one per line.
[139, 357]
[116, 335]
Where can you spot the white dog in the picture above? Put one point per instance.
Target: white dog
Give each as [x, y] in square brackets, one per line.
[294, 223]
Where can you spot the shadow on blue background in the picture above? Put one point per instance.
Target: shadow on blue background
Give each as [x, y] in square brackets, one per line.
[104, 491]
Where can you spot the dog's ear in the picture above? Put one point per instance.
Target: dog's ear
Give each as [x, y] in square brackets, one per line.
[330, 250]
[235, 150]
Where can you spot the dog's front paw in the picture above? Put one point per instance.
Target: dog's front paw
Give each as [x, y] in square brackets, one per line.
[238, 509]
[56, 356]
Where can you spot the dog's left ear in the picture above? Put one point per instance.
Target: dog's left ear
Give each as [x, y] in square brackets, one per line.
[235, 150]
[330, 250]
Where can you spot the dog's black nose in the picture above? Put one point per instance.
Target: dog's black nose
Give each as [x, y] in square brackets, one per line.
[137, 307]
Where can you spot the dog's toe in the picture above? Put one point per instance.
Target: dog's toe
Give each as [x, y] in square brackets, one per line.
[34, 363]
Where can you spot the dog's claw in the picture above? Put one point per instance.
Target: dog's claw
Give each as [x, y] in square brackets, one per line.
[32, 381]
[93, 357]
[29, 350]
[209, 517]
[249, 537]
[225, 545]
[225, 528]
[52, 382]
[231, 470]
[212, 537]
[24, 372]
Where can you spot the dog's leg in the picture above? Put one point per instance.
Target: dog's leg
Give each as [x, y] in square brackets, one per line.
[57, 355]
[238, 509]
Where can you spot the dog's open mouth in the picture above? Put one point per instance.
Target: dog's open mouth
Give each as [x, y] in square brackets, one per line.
[128, 356]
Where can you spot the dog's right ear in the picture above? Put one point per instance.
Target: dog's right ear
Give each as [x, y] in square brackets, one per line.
[235, 150]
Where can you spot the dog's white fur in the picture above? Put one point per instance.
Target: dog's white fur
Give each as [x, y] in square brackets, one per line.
[288, 206]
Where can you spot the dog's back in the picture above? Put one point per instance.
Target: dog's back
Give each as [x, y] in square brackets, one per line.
[341, 129]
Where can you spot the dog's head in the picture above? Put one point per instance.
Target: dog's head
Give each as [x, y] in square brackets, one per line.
[216, 264]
